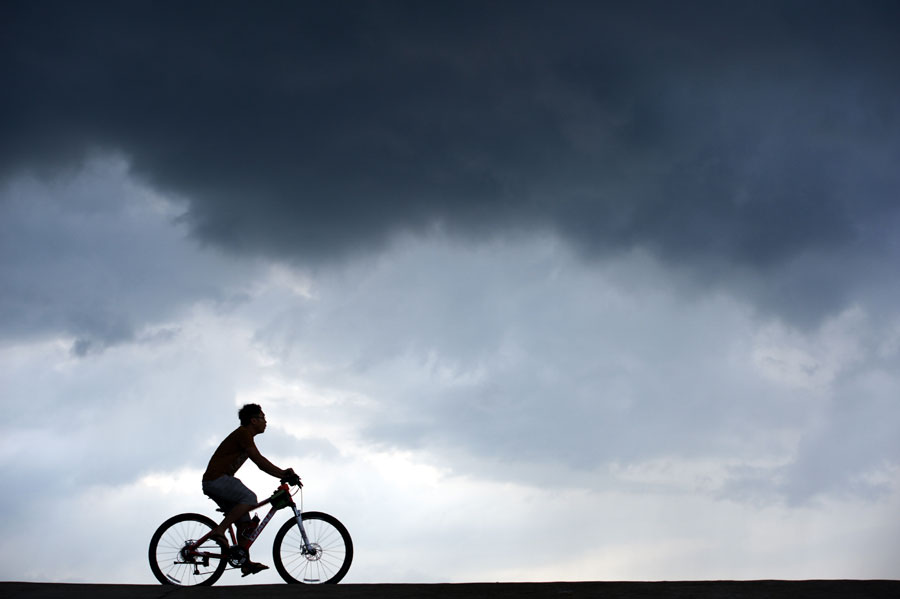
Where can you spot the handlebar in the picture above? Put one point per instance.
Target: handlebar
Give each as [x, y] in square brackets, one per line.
[292, 479]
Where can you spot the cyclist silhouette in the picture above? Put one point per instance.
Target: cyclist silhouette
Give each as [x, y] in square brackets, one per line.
[220, 484]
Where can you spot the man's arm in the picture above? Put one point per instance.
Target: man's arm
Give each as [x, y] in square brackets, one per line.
[264, 464]
[246, 441]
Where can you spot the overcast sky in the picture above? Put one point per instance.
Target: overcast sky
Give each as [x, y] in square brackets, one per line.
[528, 290]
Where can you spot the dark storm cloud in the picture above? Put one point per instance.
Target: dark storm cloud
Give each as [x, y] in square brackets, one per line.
[719, 135]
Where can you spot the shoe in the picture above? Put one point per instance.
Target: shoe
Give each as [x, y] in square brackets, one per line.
[221, 539]
[252, 568]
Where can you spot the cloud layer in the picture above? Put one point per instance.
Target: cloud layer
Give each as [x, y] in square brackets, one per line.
[758, 139]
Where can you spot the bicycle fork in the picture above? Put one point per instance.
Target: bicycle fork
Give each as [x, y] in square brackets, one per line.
[308, 548]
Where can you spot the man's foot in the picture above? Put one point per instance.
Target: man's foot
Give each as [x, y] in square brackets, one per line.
[252, 568]
[219, 538]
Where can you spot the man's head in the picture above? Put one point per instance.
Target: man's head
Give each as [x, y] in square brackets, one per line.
[252, 416]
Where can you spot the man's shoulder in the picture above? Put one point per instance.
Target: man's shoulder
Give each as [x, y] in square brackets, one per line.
[240, 436]
[243, 436]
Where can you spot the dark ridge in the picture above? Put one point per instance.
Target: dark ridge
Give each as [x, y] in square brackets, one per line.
[716, 589]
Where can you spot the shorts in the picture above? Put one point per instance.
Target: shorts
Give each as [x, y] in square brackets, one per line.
[227, 492]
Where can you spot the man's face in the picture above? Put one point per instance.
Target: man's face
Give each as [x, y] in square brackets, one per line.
[258, 423]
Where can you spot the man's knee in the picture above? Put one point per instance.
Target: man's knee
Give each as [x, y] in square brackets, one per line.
[241, 512]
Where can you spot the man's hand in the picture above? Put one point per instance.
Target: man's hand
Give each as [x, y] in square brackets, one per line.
[290, 477]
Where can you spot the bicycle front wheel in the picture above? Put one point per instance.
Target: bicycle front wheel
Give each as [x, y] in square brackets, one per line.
[173, 558]
[327, 558]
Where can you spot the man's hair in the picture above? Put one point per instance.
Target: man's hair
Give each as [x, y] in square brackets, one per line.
[250, 410]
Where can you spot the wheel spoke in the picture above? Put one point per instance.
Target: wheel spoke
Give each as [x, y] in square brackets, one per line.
[168, 563]
[332, 550]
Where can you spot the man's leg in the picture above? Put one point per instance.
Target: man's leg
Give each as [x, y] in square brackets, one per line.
[231, 517]
[234, 515]
[230, 489]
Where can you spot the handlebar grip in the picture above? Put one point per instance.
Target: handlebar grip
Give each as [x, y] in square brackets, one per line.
[292, 479]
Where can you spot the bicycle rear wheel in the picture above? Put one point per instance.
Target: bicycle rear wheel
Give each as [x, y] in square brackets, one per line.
[172, 563]
[329, 560]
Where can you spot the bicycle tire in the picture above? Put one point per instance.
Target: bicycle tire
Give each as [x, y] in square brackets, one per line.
[334, 550]
[168, 541]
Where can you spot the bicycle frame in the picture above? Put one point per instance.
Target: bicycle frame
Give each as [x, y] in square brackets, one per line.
[247, 541]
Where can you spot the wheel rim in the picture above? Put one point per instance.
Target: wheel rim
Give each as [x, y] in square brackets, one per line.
[326, 559]
[171, 554]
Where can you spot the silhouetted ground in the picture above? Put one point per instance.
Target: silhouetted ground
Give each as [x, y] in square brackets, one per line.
[759, 589]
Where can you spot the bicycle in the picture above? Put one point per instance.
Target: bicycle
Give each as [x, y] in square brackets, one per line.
[309, 548]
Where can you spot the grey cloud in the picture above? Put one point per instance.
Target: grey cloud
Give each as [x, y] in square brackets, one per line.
[92, 257]
[851, 451]
[720, 137]
[518, 361]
